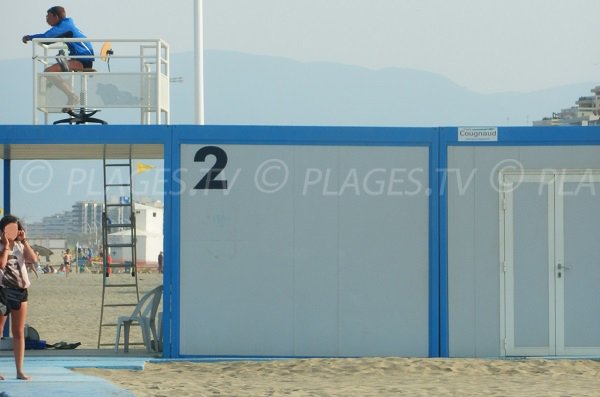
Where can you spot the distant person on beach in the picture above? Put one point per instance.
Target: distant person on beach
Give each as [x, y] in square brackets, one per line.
[14, 282]
[33, 266]
[66, 266]
[63, 27]
[48, 269]
[108, 263]
[160, 262]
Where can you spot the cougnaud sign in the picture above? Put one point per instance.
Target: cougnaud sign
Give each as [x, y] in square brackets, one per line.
[477, 134]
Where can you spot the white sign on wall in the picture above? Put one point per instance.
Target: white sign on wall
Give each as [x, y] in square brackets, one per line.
[477, 134]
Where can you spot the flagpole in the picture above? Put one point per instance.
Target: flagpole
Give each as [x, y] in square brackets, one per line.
[199, 60]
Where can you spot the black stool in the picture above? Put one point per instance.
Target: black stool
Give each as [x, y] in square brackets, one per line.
[84, 116]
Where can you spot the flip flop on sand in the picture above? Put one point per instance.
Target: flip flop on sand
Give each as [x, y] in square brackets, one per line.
[69, 345]
[63, 345]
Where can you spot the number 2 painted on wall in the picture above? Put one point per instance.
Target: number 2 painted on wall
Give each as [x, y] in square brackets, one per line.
[209, 181]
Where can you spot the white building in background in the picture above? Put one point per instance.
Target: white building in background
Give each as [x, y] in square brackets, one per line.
[587, 112]
[149, 232]
[84, 225]
[56, 245]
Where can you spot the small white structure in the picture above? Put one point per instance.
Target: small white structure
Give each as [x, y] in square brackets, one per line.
[56, 245]
[149, 233]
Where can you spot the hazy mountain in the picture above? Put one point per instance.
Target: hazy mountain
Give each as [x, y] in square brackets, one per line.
[252, 89]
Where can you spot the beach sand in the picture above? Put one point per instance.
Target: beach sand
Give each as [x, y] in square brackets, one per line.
[363, 377]
[68, 309]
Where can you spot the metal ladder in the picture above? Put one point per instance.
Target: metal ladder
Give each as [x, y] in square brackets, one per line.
[120, 293]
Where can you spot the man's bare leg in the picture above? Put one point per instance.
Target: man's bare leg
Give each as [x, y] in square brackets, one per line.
[62, 84]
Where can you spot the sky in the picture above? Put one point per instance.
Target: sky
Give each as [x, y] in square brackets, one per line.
[484, 45]
[487, 46]
[48, 187]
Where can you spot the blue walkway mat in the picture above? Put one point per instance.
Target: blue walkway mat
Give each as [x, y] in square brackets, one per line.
[52, 377]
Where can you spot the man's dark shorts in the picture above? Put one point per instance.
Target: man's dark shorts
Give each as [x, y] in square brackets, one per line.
[11, 299]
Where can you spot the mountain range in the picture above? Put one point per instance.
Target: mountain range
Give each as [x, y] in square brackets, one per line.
[265, 90]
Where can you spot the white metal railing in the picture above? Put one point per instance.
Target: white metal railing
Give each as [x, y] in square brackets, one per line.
[138, 78]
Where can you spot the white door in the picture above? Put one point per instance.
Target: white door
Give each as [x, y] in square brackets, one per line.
[550, 248]
[527, 209]
[578, 264]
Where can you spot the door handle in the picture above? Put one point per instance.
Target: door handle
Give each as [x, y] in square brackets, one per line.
[560, 267]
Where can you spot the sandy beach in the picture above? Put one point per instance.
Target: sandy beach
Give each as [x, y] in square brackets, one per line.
[68, 309]
[363, 377]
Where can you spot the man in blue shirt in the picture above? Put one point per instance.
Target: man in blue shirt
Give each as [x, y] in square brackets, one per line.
[63, 27]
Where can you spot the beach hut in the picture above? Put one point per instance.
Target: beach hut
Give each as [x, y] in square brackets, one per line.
[520, 223]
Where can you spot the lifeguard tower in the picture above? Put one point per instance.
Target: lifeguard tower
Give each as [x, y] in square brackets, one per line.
[128, 76]
[129, 81]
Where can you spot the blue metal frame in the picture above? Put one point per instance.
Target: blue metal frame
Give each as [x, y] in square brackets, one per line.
[83, 134]
[169, 242]
[173, 136]
[528, 136]
[332, 136]
[6, 193]
[507, 136]
[437, 140]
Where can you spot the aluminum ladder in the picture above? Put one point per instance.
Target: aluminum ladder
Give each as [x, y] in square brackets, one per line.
[120, 293]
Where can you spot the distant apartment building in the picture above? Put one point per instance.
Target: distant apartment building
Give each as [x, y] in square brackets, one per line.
[52, 226]
[86, 219]
[587, 112]
[83, 224]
